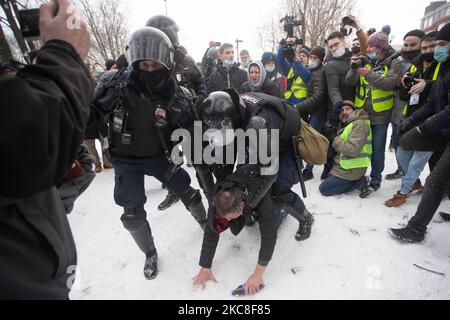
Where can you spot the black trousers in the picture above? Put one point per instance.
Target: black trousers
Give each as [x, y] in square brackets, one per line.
[437, 184]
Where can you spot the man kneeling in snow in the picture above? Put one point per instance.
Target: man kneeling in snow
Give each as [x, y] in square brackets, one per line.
[353, 145]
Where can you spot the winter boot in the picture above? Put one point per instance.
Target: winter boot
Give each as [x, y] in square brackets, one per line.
[445, 216]
[398, 200]
[417, 186]
[364, 190]
[151, 266]
[308, 175]
[192, 199]
[98, 167]
[106, 163]
[170, 200]
[407, 235]
[305, 227]
[396, 175]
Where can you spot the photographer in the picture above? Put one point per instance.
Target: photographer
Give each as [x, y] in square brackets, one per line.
[375, 83]
[143, 106]
[428, 129]
[45, 108]
[353, 145]
[210, 60]
[228, 75]
[412, 96]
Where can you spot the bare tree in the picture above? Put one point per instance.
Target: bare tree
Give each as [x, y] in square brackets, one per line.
[320, 18]
[269, 34]
[5, 50]
[107, 21]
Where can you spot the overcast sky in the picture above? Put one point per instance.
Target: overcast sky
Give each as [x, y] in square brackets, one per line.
[203, 20]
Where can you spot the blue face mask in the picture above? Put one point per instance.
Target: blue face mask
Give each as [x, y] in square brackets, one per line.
[229, 63]
[270, 69]
[373, 56]
[441, 54]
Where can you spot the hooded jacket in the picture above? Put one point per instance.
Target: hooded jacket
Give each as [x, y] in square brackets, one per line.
[264, 85]
[352, 148]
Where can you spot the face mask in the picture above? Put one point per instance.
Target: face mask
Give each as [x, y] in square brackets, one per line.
[410, 55]
[220, 138]
[428, 57]
[373, 56]
[313, 64]
[155, 79]
[356, 50]
[441, 54]
[228, 63]
[244, 64]
[339, 53]
[270, 69]
[99, 70]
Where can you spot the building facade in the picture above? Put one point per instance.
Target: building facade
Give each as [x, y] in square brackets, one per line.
[437, 14]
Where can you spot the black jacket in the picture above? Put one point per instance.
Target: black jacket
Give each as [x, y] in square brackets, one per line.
[317, 101]
[259, 200]
[192, 78]
[436, 112]
[269, 87]
[44, 110]
[223, 79]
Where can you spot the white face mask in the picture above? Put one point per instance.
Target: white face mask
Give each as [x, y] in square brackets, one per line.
[339, 52]
[99, 70]
[245, 64]
[313, 64]
[220, 138]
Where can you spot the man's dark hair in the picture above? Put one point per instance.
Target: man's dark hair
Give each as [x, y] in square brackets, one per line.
[430, 36]
[224, 46]
[336, 34]
[228, 201]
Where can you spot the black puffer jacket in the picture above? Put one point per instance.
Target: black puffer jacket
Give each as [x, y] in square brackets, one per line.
[224, 78]
[317, 101]
[44, 110]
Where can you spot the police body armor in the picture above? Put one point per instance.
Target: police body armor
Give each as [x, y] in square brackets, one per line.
[257, 103]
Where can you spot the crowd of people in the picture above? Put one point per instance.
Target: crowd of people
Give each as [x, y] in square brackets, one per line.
[57, 107]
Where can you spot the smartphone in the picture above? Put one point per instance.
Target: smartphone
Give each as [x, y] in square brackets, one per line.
[29, 23]
[347, 21]
[217, 44]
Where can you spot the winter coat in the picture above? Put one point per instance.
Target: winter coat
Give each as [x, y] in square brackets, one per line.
[192, 78]
[435, 114]
[264, 85]
[259, 202]
[224, 78]
[352, 148]
[317, 101]
[335, 71]
[375, 79]
[45, 109]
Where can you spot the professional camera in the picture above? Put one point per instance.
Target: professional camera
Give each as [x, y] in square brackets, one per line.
[346, 21]
[360, 63]
[409, 80]
[290, 22]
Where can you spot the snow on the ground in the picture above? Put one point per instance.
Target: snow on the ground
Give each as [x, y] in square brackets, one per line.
[349, 256]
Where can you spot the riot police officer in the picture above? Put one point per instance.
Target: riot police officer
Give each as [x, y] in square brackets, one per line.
[187, 75]
[138, 104]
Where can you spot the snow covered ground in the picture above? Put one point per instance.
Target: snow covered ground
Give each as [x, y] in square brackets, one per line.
[349, 256]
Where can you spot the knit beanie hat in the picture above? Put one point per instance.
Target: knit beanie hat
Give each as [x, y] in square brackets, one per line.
[415, 33]
[379, 39]
[318, 52]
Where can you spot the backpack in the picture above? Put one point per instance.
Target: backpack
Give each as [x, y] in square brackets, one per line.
[312, 146]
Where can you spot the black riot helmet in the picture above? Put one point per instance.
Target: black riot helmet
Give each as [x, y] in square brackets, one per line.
[223, 109]
[166, 25]
[152, 44]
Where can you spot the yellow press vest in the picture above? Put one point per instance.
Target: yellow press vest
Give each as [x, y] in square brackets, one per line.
[414, 70]
[298, 88]
[381, 100]
[364, 157]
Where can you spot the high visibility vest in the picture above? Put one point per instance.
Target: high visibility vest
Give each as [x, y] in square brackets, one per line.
[364, 157]
[414, 70]
[381, 100]
[298, 88]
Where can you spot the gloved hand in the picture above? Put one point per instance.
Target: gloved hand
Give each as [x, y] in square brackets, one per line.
[405, 126]
[337, 107]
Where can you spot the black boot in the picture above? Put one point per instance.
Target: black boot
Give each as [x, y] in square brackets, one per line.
[445, 216]
[151, 266]
[192, 199]
[407, 235]
[364, 190]
[170, 200]
[308, 175]
[305, 227]
[396, 175]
